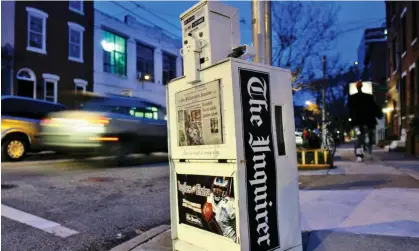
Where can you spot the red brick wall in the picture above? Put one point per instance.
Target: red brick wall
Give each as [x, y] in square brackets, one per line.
[394, 12]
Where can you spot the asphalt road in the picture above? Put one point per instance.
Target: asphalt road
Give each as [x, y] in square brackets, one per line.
[105, 205]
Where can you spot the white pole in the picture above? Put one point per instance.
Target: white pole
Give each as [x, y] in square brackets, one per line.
[258, 30]
[268, 33]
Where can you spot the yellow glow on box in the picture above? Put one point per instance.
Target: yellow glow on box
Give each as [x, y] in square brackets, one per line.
[366, 88]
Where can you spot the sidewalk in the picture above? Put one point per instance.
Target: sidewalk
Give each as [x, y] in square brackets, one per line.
[352, 214]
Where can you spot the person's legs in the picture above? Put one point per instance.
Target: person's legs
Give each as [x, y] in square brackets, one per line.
[359, 143]
[370, 139]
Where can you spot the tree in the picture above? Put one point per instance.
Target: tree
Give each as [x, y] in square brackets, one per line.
[302, 32]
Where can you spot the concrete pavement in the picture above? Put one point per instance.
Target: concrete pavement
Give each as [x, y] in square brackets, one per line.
[370, 206]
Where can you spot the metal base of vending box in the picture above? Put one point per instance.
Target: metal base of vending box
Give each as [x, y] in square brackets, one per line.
[179, 245]
[297, 248]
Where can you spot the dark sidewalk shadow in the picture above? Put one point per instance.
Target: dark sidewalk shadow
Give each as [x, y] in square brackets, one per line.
[339, 240]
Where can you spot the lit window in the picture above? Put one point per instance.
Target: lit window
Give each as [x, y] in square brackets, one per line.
[114, 54]
[37, 30]
[76, 6]
[75, 42]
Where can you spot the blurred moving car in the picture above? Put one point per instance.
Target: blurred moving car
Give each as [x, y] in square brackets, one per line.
[107, 125]
[20, 119]
[299, 137]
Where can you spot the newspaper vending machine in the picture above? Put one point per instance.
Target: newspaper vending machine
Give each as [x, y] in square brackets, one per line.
[232, 153]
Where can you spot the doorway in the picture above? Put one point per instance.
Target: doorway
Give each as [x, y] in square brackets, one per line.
[26, 83]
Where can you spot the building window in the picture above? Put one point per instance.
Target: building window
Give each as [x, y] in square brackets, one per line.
[404, 34]
[75, 42]
[403, 96]
[145, 62]
[394, 54]
[37, 31]
[114, 54]
[169, 67]
[414, 21]
[50, 87]
[412, 91]
[80, 85]
[76, 6]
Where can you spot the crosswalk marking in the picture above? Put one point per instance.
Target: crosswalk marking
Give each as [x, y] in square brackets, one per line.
[36, 222]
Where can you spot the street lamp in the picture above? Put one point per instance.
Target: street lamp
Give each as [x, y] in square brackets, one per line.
[308, 102]
[356, 62]
[108, 46]
[147, 77]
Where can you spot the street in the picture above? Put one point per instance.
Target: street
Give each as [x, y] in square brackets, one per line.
[104, 205]
[90, 205]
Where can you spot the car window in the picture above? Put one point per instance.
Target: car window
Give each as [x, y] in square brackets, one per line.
[32, 109]
[135, 108]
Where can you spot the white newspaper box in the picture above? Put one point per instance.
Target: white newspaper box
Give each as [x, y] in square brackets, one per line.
[233, 165]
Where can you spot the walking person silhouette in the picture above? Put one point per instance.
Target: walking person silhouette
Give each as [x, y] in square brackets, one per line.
[363, 111]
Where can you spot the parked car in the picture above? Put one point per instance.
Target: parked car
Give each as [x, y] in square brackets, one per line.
[20, 120]
[108, 125]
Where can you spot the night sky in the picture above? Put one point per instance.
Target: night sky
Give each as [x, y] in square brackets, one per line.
[354, 17]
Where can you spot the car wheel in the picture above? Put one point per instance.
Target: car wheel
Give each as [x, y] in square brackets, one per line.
[119, 151]
[14, 149]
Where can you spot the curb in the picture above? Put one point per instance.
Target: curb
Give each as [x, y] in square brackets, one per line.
[140, 239]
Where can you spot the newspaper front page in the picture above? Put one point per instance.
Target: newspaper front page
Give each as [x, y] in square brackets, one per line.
[199, 115]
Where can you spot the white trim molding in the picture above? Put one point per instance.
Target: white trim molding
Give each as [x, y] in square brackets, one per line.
[80, 11]
[32, 12]
[75, 26]
[37, 12]
[414, 41]
[412, 66]
[78, 81]
[403, 54]
[403, 12]
[80, 29]
[404, 74]
[51, 78]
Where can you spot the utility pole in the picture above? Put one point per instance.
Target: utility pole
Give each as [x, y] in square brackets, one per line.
[262, 31]
[324, 102]
[268, 33]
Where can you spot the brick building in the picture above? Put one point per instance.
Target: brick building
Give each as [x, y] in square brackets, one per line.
[403, 82]
[372, 59]
[50, 47]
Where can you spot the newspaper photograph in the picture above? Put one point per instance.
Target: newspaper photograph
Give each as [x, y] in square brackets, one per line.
[199, 115]
[207, 203]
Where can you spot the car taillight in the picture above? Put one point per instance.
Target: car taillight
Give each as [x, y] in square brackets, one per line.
[45, 121]
[99, 120]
